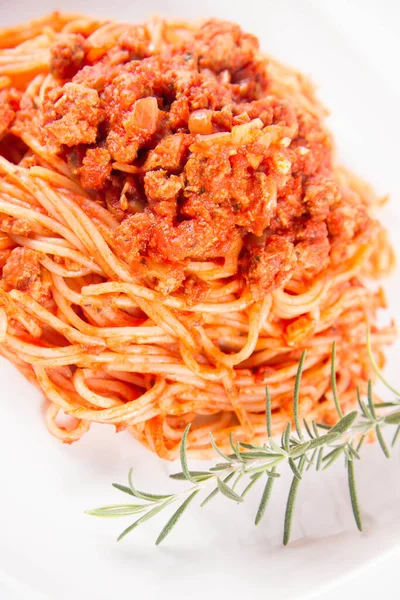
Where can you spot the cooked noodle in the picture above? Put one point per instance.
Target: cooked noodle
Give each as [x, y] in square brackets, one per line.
[152, 344]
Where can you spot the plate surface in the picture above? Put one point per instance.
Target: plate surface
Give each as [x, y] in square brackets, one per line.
[48, 547]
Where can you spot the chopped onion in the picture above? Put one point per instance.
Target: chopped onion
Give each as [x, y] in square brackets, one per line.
[242, 134]
[200, 121]
[143, 116]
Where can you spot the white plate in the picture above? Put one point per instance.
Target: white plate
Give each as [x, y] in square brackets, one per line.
[48, 547]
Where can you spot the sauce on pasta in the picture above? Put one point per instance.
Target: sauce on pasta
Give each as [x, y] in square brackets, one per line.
[175, 230]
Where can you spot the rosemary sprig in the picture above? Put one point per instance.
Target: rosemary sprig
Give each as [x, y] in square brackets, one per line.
[316, 445]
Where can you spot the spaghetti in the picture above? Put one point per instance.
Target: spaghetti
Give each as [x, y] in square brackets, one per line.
[175, 231]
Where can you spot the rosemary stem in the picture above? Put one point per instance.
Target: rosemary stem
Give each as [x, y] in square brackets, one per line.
[298, 449]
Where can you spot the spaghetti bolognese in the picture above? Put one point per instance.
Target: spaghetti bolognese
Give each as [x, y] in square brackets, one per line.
[175, 231]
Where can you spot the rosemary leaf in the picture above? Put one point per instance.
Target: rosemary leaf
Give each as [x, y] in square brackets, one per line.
[151, 513]
[196, 476]
[253, 455]
[248, 446]
[264, 499]
[323, 426]
[353, 494]
[283, 441]
[347, 452]
[238, 478]
[370, 400]
[393, 418]
[265, 455]
[312, 459]
[290, 510]
[228, 492]
[209, 497]
[286, 438]
[183, 455]
[333, 382]
[295, 441]
[315, 428]
[294, 468]
[175, 517]
[353, 452]
[220, 467]
[268, 414]
[217, 450]
[396, 436]
[123, 488]
[142, 495]
[361, 442]
[323, 440]
[330, 458]
[272, 473]
[117, 510]
[345, 423]
[216, 490]
[381, 441]
[276, 447]
[362, 405]
[264, 466]
[296, 394]
[387, 404]
[299, 450]
[320, 458]
[307, 428]
[254, 478]
[235, 448]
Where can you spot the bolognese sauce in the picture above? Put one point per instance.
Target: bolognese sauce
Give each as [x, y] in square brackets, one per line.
[175, 231]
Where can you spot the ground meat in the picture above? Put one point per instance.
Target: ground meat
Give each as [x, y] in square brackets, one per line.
[9, 105]
[312, 252]
[137, 41]
[195, 239]
[22, 272]
[66, 263]
[170, 154]
[348, 221]
[224, 46]
[271, 266]
[72, 114]
[131, 238]
[162, 277]
[132, 109]
[96, 168]
[224, 154]
[311, 150]
[289, 203]
[253, 196]
[162, 192]
[194, 289]
[4, 255]
[26, 125]
[67, 55]
[320, 194]
[96, 76]
[124, 196]
[14, 226]
[127, 136]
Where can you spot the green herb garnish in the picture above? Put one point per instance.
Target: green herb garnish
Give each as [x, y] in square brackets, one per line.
[314, 445]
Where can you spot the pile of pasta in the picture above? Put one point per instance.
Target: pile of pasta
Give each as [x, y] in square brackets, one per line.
[153, 336]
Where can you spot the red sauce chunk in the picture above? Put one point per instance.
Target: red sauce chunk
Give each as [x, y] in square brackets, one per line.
[203, 149]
